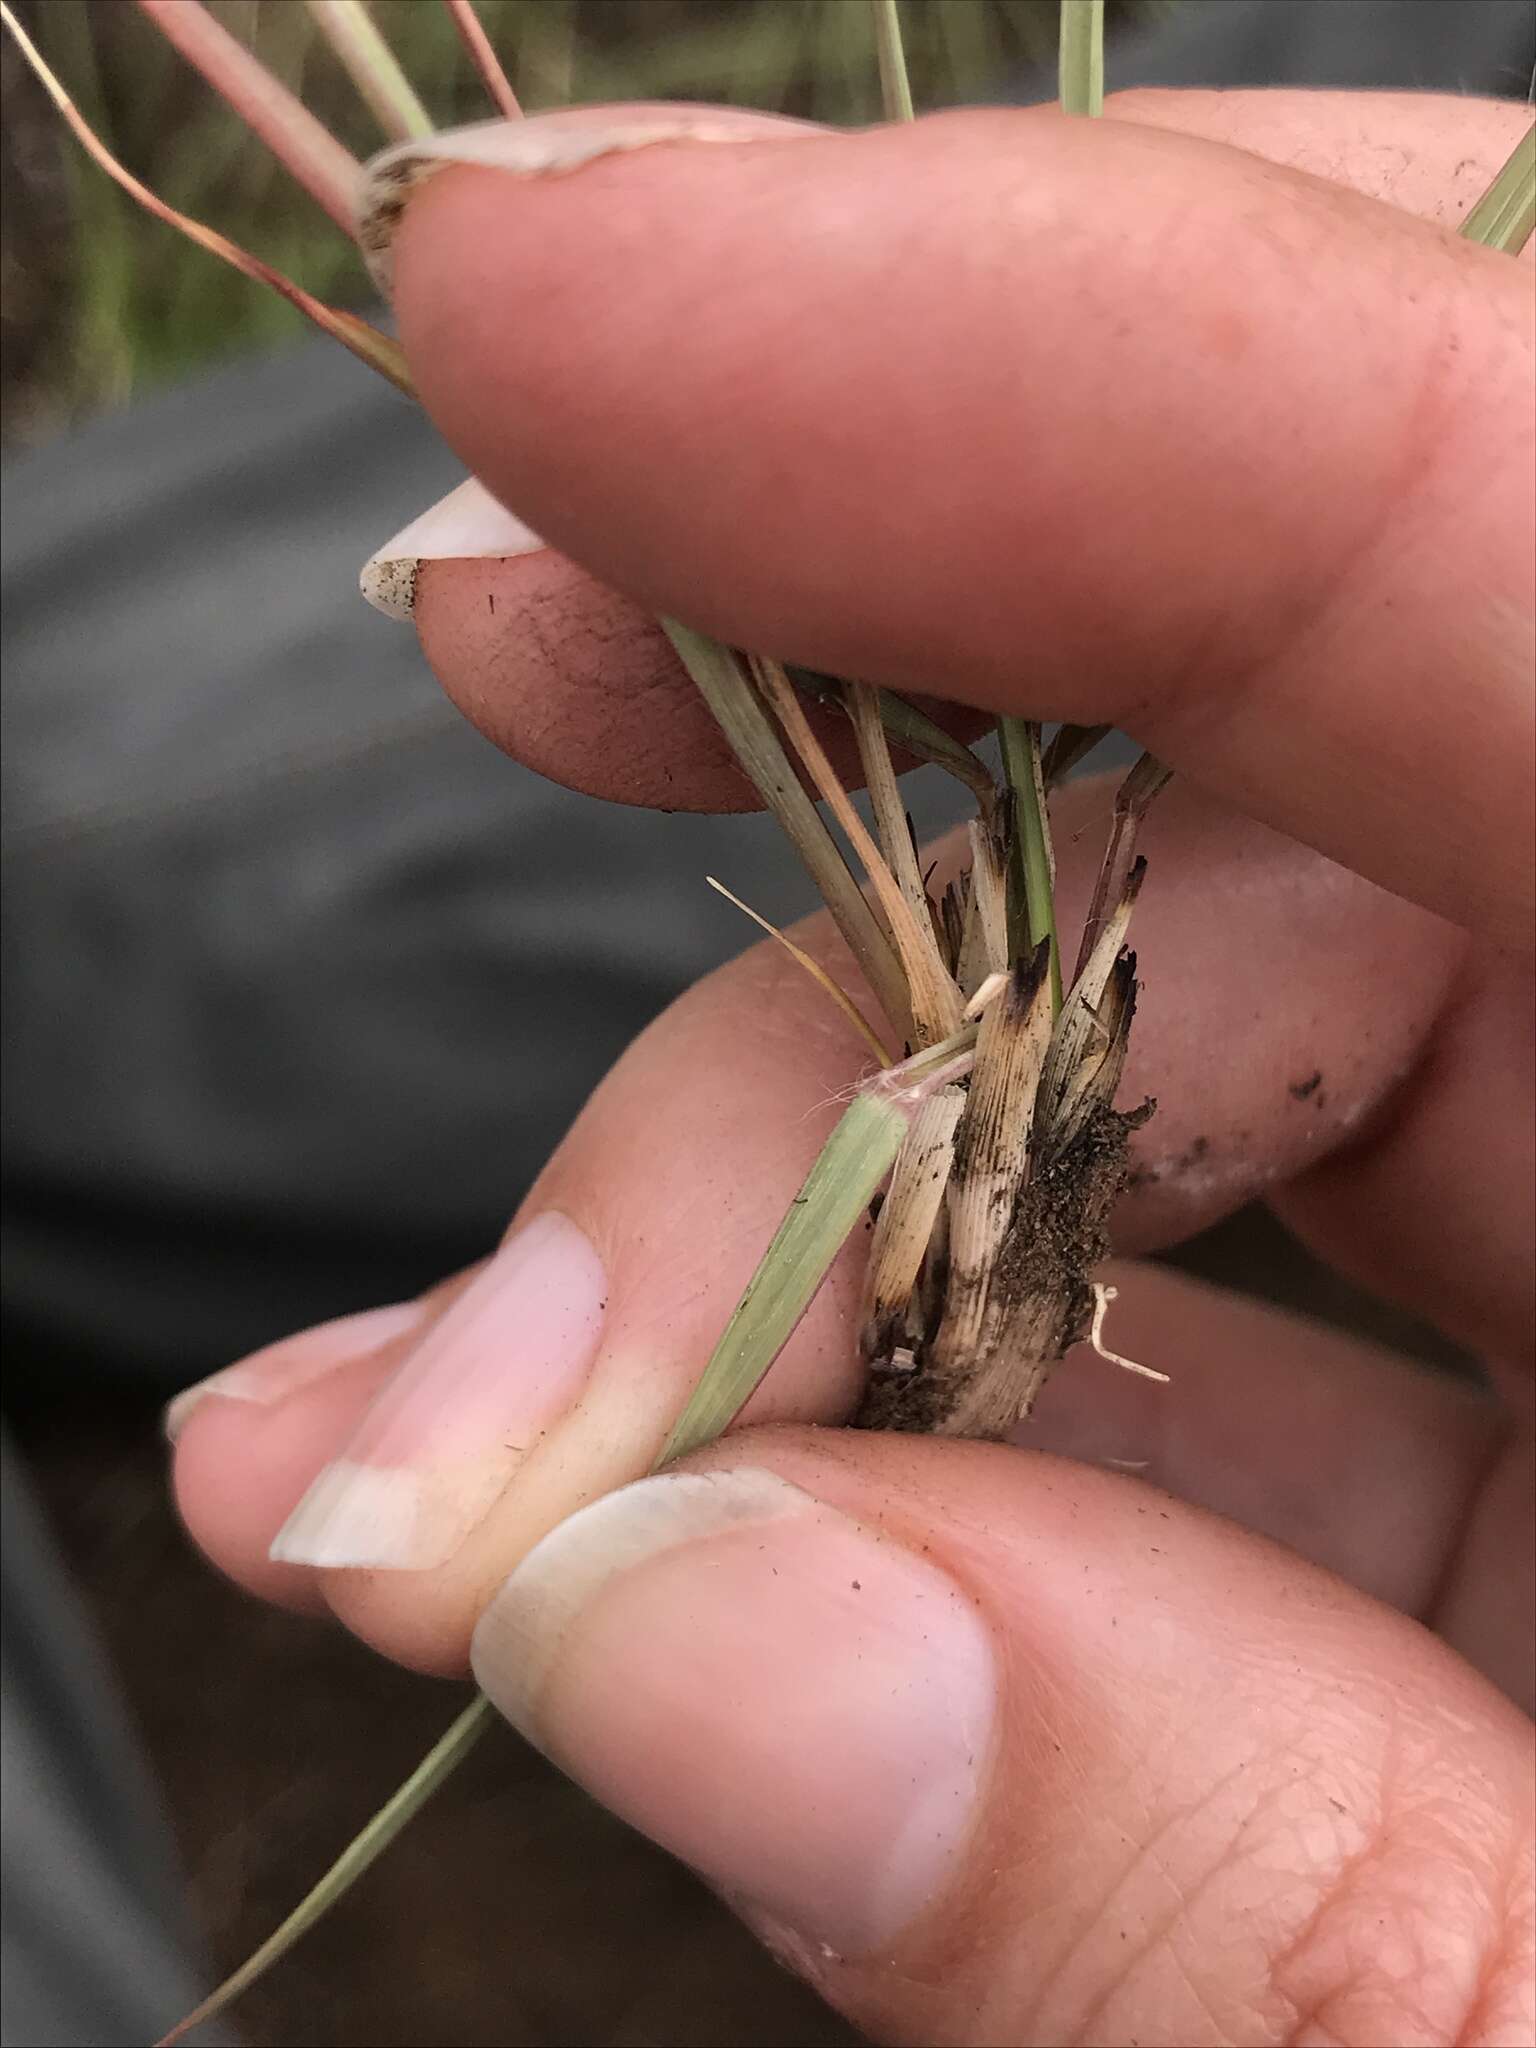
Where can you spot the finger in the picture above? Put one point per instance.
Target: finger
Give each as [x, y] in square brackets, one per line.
[1275, 520]
[1332, 1446]
[996, 1748]
[1292, 1429]
[1435, 1207]
[580, 683]
[275, 1409]
[568, 676]
[570, 1358]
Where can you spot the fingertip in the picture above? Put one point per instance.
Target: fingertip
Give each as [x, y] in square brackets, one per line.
[580, 683]
[575, 681]
[240, 1468]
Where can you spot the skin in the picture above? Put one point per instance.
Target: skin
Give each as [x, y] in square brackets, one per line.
[1244, 467]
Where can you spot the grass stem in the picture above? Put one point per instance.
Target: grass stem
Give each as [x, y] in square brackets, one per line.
[895, 85]
[935, 1000]
[816, 971]
[1081, 57]
[377, 350]
[914, 732]
[837, 1191]
[483, 57]
[1133, 799]
[1031, 865]
[330, 174]
[891, 820]
[725, 688]
[365, 1849]
[372, 67]
[1505, 215]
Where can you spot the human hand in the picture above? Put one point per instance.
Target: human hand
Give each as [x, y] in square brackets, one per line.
[1114, 424]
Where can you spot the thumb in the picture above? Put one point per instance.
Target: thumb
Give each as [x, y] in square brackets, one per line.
[996, 1750]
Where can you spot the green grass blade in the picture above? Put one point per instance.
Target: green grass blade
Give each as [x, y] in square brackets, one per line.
[837, 1191]
[895, 86]
[915, 733]
[723, 684]
[379, 351]
[1031, 868]
[372, 67]
[1081, 61]
[365, 1849]
[1505, 215]
[1072, 744]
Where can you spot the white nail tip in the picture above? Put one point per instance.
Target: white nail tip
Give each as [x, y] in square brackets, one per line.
[520, 1633]
[357, 1515]
[269, 1376]
[469, 524]
[543, 147]
[233, 1384]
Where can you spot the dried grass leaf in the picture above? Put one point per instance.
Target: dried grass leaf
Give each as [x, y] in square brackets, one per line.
[906, 1222]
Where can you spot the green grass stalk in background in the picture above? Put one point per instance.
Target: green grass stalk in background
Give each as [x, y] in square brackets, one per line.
[102, 303]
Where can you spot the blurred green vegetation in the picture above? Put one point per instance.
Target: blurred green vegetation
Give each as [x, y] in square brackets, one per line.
[100, 301]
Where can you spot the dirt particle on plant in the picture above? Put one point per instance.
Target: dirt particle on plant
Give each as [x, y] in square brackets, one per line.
[1040, 1301]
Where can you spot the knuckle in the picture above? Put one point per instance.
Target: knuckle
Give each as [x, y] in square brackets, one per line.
[1360, 1879]
[1414, 1934]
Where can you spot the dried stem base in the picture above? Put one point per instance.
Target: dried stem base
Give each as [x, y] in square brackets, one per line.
[1040, 1298]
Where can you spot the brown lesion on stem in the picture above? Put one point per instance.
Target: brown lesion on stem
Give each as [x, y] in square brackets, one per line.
[1040, 1158]
[1039, 1298]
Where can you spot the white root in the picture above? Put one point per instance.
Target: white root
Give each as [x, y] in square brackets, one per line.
[1102, 1297]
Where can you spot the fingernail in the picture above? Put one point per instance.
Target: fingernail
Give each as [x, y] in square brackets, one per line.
[542, 146]
[792, 1703]
[271, 1375]
[467, 524]
[479, 1393]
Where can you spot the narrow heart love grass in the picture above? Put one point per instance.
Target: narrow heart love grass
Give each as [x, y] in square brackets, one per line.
[839, 996]
[1031, 861]
[1080, 63]
[327, 172]
[723, 681]
[932, 998]
[833, 1199]
[996, 1137]
[895, 85]
[372, 67]
[1071, 746]
[1506, 214]
[379, 351]
[364, 1850]
[913, 732]
[484, 59]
